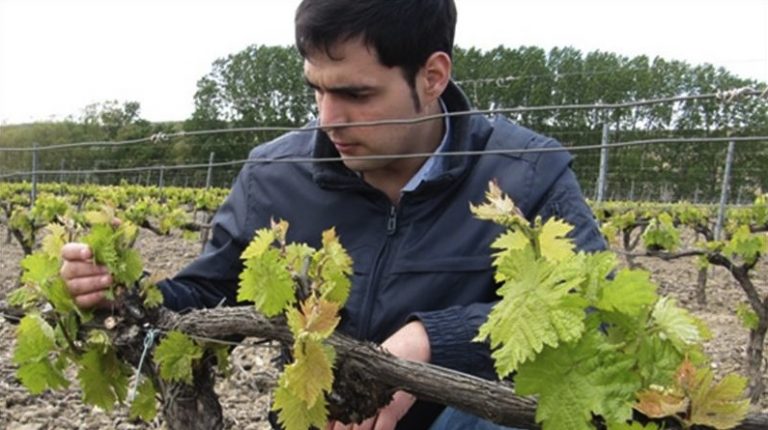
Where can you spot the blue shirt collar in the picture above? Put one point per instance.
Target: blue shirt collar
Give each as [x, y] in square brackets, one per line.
[434, 166]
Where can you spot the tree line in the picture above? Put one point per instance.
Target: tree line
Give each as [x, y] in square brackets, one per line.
[264, 86]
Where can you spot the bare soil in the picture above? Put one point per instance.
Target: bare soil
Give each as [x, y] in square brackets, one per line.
[244, 396]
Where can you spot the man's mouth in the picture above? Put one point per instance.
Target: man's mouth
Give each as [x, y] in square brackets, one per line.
[344, 148]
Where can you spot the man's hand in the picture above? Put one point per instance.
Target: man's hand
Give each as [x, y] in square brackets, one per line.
[86, 281]
[411, 342]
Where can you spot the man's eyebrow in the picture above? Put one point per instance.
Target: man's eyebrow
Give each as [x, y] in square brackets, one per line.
[345, 89]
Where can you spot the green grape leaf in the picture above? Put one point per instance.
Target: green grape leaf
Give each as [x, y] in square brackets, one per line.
[266, 282]
[54, 240]
[23, 297]
[510, 240]
[175, 356]
[103, 377]
[126, 234]
[599, 266]
[553, 243]
[56, 293]
[37, 376]
[720, 405]
[296, 254]
[222, 357]
[634, 425]
[101, 242]
[574, 381]
[747, 315]
[98, 217]
[295, 414]
[537, 309]
[99, 338]
[144, 406]
[34, 342]
[631, 292]
[676, 324]
[662, 233]
[312, 373]
[34, 339]
[657, 360]
[39, 268]
[261, 242]
[153, 297]
[747, 245]
[128, 269]
[336, 267]
[318, 317]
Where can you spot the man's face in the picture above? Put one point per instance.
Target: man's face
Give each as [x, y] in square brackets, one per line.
[352, 87]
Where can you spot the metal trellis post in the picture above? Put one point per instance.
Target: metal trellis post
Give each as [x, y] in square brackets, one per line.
[33, 196]
[210, 172]
[725, 189]
[603, 165]
[161, 180]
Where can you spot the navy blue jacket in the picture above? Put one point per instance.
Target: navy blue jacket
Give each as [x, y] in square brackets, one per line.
[426, 258]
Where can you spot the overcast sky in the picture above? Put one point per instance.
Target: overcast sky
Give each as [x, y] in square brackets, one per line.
[57, 56]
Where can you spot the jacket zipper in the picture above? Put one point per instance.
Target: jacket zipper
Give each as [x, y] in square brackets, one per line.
[373, 285]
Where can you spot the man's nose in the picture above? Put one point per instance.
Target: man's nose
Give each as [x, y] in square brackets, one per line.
[331, 112]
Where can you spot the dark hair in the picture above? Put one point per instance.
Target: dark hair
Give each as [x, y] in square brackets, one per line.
[404, 33]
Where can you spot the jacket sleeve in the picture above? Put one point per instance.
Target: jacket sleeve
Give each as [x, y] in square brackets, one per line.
[212, 278]
[451, 330]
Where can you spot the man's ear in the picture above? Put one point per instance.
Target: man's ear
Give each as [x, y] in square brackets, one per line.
[435, 76]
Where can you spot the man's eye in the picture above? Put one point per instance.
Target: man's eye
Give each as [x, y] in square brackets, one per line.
[356, 96]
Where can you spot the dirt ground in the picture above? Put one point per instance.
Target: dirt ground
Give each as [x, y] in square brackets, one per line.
[244, 399]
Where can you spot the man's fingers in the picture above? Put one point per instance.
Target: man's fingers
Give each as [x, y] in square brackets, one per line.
[73, 270]
[385, 422]
[88, 301]
[89, 284]
[365, 425]
[76, 251]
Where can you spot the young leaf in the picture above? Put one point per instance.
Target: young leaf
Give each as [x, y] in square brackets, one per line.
[720, 405]
[634, 425]
[318, 317]
[295, 414]
[34, 339]
[537, 309]
[675, 324]
[748, 317]
[572, 382]
[312, 373]
[100, 240]
[54, 240]
[103, 377]
[153, 297]
[266, 282]
[144, 406]
[39, 268]
[34, 343]
[175, 355]
[37, 376]
[659, 402]
[128, 268]
[336, 267]
[261, 242]
[631, 292]
[553, 243]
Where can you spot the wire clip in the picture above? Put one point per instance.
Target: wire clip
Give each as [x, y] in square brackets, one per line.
[149, 340]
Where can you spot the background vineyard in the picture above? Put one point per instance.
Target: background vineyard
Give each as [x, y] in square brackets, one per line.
[169, 178]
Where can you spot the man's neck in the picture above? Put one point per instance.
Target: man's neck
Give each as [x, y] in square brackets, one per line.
[392, 180]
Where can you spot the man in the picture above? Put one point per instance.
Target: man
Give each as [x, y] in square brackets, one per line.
[422, 282]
